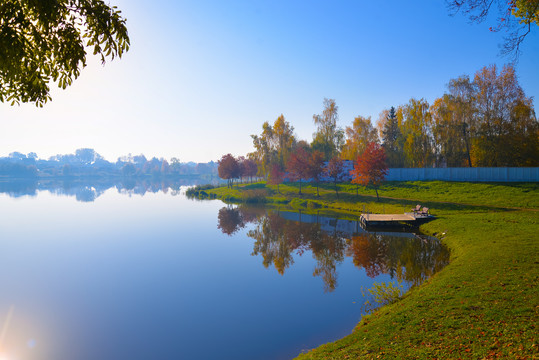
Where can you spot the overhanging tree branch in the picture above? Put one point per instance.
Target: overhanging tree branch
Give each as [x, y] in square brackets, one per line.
[44, 41]
[514, 16]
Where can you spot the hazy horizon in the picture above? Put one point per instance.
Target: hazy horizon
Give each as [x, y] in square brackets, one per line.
[111, 160]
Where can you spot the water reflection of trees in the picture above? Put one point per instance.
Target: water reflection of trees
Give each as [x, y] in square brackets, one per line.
[89, 189]
[410, 259]
[229, 220]
[404, 257]
[276, 239]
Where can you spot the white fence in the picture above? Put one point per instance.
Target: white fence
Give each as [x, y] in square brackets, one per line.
[491, 174]
[474, 174]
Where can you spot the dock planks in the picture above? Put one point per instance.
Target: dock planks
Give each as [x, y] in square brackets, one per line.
[388, 217]
[391, 219]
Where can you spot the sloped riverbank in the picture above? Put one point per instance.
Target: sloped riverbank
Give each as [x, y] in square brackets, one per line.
[482, 305]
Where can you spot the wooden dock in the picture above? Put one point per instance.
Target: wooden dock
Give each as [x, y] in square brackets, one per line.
[392, 219]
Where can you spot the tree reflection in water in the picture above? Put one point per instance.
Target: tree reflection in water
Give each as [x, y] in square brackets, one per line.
[280, 236]
[88, 189]
[229, 220]
[412, 260]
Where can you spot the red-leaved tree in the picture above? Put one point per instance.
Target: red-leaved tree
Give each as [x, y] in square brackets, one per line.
[276, 175]
[334, 171]
[249, 169]
[228, 168]
[241, 165]
[370, 168]
[316, 167]
[298, 166]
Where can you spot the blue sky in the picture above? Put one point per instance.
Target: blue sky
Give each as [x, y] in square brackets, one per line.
[201, 76]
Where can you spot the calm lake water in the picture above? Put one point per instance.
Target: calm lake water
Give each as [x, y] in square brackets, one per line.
[142, 272]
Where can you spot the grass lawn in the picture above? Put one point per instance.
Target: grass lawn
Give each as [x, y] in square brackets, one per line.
[483, 305]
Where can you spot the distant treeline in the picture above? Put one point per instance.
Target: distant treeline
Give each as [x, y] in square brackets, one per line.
[87, 162]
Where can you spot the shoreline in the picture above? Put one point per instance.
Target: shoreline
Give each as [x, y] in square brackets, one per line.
[481, 305]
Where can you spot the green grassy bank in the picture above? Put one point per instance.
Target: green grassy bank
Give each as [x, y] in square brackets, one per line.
[483, 305]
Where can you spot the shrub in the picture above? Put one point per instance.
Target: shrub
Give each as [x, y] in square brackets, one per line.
[255, 195]
[198, 191]
[382, 294]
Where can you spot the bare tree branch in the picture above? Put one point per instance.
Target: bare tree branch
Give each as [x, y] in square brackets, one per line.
[517, 22]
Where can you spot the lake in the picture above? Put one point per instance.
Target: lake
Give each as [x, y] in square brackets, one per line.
[139, 271]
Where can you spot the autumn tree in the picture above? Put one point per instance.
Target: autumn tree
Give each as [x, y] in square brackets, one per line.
[274, 144]
[298, 165]
[525, 135]
[357, 137]
[228, 168]
[334, 170]
[241, 166]
[328, 137]
[417, 131]
[276, 175]
[461, 93]
[506, 131]
[450, 132]
[283, 134]
[516, 17]
[381, 122]
[44, 41]
[370, 168]
[249, 169]
[264, 152]
[316, 168]
[487, 121]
